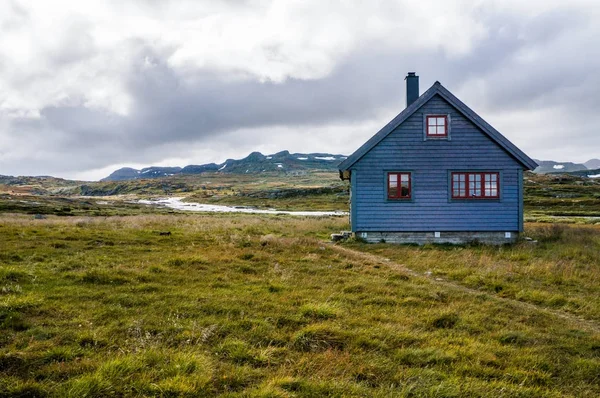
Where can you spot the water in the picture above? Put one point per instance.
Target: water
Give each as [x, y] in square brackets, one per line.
[177, 204]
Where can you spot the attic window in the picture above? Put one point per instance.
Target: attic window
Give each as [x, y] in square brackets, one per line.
[475, 185]
[437, 126]
[398, 186]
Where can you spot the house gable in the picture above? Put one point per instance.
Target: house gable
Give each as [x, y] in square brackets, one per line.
[438, 90]
[466, 147]
[431, 163]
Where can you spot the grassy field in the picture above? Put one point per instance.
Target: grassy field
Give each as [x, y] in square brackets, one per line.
[263, 306]
[316, 190]
[560, 270]
[548, 198]
[561, 198]
[74, 206]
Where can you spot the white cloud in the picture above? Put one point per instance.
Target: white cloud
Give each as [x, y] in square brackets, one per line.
[69, 52]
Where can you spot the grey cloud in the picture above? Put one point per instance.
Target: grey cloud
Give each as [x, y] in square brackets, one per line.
[19, 16]
[551, 24]
[171, 111]
[76, 44]
[549, 78]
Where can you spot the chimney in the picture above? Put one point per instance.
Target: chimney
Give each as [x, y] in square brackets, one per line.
[412, 88]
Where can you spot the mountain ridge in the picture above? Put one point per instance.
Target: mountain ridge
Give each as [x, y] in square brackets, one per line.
[551, 166]
[254, 163]
[592, 164]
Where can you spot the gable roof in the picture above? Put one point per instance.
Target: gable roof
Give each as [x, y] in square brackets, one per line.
[438, 89]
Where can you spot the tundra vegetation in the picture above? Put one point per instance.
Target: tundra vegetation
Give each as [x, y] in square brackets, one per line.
[106, 303]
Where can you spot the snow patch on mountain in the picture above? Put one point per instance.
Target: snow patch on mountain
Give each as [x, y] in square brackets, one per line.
[325, 157]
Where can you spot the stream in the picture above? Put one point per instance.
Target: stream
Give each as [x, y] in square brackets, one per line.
[177, 204]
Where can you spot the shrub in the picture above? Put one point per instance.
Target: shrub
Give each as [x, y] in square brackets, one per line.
[514, 338]
[318, 311]
[551, 233]
[102, 278]
[13, 275]
[424, 357]
[12, 320]
[175, 262]
[319, 338]
[445, 321]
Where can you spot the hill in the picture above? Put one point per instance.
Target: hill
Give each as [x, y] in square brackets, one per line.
[592, 164]
[550, 166]
[590, 173]
[255, 163]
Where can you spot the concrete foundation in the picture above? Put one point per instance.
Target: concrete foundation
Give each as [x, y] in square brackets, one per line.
[421, 238]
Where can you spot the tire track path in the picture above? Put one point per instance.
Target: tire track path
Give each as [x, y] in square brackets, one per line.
[581, 323]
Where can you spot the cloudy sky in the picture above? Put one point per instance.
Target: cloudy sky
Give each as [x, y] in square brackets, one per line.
[90, 86]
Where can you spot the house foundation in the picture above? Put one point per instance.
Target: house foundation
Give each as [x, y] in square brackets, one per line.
[457, 238]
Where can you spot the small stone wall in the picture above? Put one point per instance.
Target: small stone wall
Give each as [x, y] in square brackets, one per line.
[489, 238]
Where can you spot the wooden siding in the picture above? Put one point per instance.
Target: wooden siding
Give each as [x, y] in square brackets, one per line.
[438, 90]
[431, 161]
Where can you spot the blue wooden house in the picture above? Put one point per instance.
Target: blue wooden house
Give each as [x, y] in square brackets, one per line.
[436, 173]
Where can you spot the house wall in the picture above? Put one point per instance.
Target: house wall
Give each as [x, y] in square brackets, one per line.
[431, 161]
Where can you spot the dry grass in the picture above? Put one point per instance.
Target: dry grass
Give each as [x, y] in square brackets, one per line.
[561, 270]
[239, 306]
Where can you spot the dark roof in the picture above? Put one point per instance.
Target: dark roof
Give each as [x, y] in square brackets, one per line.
[438, 89]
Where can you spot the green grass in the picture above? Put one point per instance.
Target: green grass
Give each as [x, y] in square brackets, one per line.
[561, 270]
[74, 206]
[249, 306]
[321, 202]
[317, 191]
[561, 198]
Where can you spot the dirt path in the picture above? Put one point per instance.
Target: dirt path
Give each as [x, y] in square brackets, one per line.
[580, 322]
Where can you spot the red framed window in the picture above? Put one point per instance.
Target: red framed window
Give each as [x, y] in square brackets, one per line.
[476, 185]
[399, 186]
[437, 126]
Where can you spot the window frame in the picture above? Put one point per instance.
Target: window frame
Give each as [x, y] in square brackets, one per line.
[481, 182]
[445, 136]
[407, 198]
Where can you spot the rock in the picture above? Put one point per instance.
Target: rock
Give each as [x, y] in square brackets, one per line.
[337, 237]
